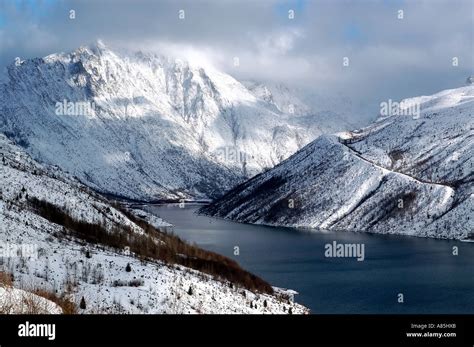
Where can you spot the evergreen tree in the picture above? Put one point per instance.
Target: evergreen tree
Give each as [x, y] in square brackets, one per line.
[82, 305]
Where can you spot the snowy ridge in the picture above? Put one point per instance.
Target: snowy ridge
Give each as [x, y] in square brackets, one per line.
[159, 128]
[69, 266]
[409, 175]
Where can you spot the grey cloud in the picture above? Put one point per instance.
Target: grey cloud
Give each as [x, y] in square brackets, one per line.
[389, 58]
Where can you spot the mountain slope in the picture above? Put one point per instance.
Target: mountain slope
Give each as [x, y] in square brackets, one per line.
[155, 127]
[75, 244]
[410, 175]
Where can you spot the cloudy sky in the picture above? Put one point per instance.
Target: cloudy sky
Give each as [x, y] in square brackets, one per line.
[389, 57]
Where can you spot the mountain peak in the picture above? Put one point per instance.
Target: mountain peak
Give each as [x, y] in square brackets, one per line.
[100, 44]
[97, 46]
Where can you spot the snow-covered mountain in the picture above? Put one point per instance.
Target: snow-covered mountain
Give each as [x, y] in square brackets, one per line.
[56, 223]
[406, 174]
[145, 126]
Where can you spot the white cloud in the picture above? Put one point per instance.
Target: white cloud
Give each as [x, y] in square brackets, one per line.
[280, 42]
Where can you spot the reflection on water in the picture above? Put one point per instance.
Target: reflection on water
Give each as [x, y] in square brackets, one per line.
[425, 271]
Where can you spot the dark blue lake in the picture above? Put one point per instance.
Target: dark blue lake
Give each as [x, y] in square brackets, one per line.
[425, 271]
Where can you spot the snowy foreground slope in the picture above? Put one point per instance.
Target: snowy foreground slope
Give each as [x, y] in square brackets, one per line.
[63, 262]
[158, 128]
[18, 301]
[405, 174]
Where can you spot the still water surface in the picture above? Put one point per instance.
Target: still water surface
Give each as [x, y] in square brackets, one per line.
[425, 271]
